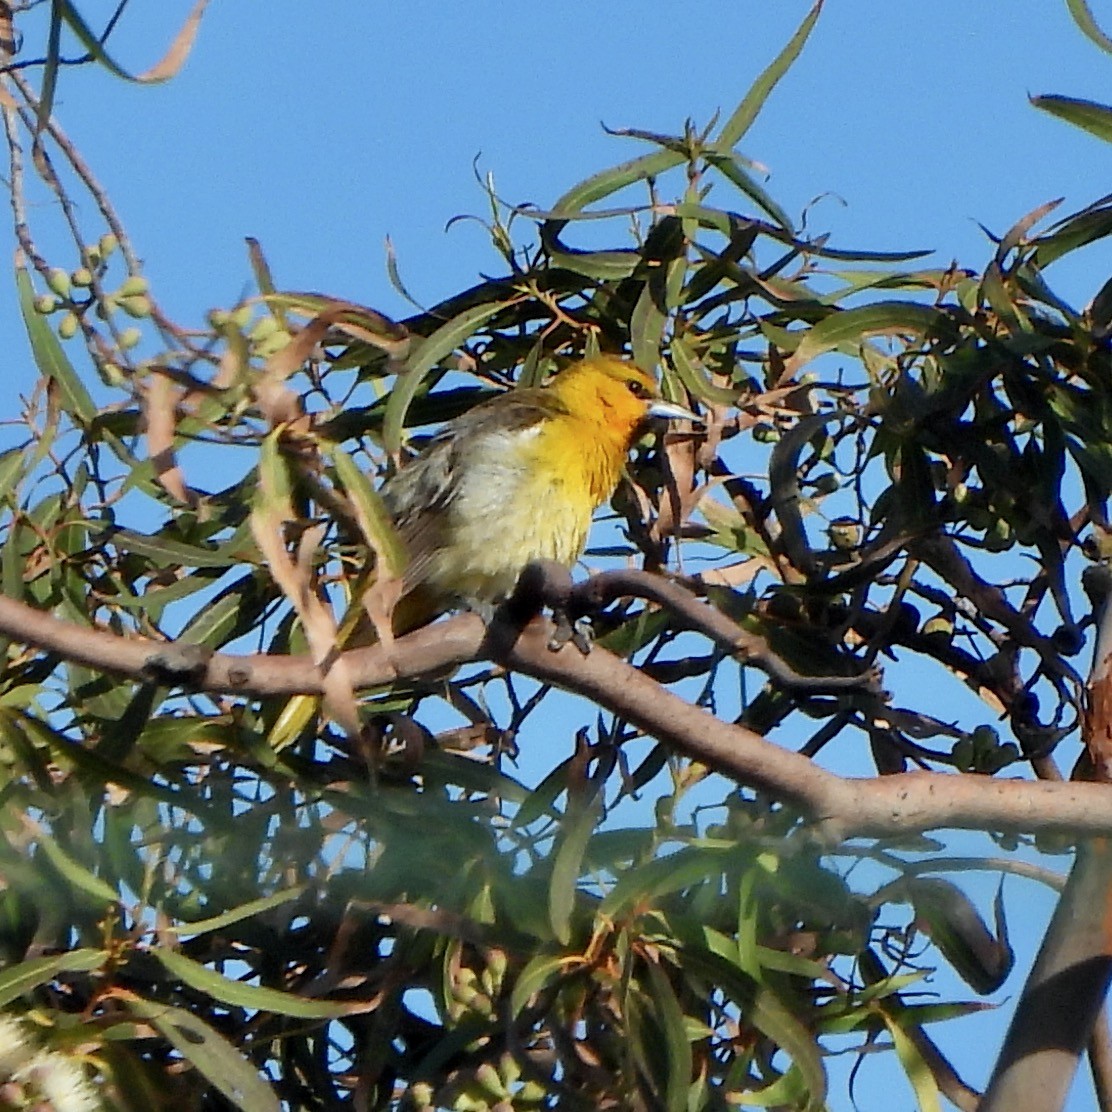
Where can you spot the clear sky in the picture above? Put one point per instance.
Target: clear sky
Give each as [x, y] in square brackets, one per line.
[320, 129]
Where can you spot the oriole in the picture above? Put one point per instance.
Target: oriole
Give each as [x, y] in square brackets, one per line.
[516, 479]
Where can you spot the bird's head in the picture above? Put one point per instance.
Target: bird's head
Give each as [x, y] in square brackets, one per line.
[616, 393]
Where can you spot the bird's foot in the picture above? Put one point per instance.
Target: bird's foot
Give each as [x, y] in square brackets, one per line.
[580, 632]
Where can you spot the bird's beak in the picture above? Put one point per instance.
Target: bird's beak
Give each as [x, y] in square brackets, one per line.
[672, 412]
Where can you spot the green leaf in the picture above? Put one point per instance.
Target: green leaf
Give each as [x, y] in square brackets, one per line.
[1083, 17]
[1085, 114]
[425, 356]
[256, 997]
[656, 878]
[51, 66]
[765, 1011]
[211, 1054]
[237, 914]
[563, 888]
[670, 1016]
[914, 1065]
[695, 378]
[75, 873]
[730, 167]
[851, 326]
[646, 328]
[537, 973]
[49, 357]
[746, 112]
[374, 520]
[27, 975]
[618, 177]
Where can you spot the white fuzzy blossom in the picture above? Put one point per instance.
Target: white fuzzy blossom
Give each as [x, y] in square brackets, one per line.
[60, 1081]
[15, 1046]
[53, 1080]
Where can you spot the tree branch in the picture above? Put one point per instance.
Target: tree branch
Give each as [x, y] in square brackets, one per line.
[839, 807]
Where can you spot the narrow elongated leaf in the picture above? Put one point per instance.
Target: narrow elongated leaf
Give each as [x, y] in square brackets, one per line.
[27, 975]
[670, 1016]
[1087, 226]
[1086, 114]
[162, 71]
[851, 326]
[916, 1068]
[429, 352]
[730, 168]
[50, 67]
[946, 913]
[254, 997]
[564, 885]
[211, 1055]
[695, 378]
[666, 874]
[536, 975]
[49, 357]
[374, 520]
[1084, 19]
[79, 877]
[618, 177]
[746, 112]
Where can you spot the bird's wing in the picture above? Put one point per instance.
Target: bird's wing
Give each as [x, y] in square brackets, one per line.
[420, 496]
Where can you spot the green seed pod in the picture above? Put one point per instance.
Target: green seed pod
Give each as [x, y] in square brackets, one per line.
[46, 303]
[133, 286]
[107, 244]
[421, 1093]
[112, 374]
[218, 318]
[129, 337]
[963, 754]
[82, 276]
[490, 1081]
[241, 317]
[985, 738]
[465, 1102]
[137, 307]
[59, 281]
[68, 325]
[509, 1068]
[92, 256]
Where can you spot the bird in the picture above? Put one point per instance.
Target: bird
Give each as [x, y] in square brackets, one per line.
[514, 480]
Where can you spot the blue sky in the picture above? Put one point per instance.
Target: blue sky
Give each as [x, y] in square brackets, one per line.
[323, 135]
[322, 129]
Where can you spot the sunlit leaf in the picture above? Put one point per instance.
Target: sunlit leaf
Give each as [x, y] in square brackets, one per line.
[746, 112]
[1086, 114]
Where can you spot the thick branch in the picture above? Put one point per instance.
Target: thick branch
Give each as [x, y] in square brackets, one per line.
[840, 807]
[1060, 1003]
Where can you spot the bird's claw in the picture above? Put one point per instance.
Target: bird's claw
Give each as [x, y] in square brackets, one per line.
[580, 633]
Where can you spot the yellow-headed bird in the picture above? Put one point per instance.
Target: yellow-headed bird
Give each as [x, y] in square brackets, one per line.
[518, 479]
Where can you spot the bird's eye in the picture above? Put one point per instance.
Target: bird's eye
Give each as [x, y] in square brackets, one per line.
[638, 389]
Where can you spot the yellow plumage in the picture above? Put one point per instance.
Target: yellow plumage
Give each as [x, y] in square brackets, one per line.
[517, 479]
